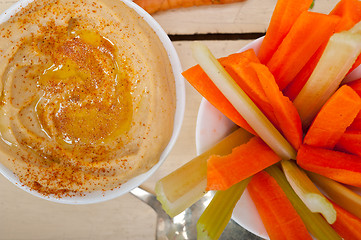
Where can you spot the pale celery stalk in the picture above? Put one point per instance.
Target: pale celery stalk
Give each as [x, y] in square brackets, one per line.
[216, 216]
[186, 185]
[340, 53]
[314, 222]
[340, 194]
[307, 191]
[241, 102]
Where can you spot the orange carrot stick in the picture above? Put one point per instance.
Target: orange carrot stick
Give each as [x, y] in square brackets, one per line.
[347, 225]
[246, 77]
[286, 114]
[153, 6]
[339, 166]
[350, 142]
[284, 16]
[356, 124]
[276, 211]
[204, 85]
[307, 34]
[296, 85]
[244, 161]
[334, 117]
[349, 12]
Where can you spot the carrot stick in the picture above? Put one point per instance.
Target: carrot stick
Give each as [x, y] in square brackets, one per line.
[347, 225]
[286, 114]
[246, 77]
[356, 124]
[350, 142]
[307, 34]
[284, 16]
[334, 117]
[349, 12]
[296, 85]
[339, 166]
[204, 85]
[244, 161]
[277, 213]
[153, 6]
[356, 85]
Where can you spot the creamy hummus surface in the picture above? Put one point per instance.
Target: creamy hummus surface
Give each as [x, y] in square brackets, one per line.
[87, 95]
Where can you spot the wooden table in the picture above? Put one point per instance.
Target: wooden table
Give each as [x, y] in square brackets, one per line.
[23, 216]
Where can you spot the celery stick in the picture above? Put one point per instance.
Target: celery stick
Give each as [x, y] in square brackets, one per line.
[307, 191]
[314, 222]
[340, 194]
[218, 213]
[241, 102]
[339, 55]
[186, 185]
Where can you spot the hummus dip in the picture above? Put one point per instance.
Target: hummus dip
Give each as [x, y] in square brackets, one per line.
[87, 95]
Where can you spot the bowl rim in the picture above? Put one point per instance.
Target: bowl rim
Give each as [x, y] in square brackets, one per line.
[101, 196]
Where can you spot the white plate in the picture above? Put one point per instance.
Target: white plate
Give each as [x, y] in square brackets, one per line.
[211, 127]
[100, 196]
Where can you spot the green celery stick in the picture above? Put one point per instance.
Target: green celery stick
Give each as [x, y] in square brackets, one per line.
[307, 191]
[314, 222]
[340, 53]
[186, 185]
[340, 194]
[218, 213]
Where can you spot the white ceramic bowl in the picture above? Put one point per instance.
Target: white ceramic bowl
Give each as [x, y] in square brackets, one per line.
[100, 196]
[212, 126]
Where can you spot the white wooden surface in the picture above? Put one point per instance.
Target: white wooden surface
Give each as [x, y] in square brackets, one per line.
[23, 216]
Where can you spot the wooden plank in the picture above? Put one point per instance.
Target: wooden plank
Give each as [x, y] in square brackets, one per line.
[242, 17]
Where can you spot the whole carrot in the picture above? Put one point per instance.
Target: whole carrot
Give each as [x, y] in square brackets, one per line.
[153, 6]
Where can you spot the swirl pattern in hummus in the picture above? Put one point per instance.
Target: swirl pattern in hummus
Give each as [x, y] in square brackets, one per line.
[87, 95]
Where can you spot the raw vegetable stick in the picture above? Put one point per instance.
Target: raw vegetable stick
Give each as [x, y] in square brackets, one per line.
[241, 102]
[204, 85]
[350, 13]
[296, 85]
[246, 78]
[338, 193]
[314, 222]
[277, 213]
[306, 35]
[284, 15]
[339, 166]
[153, 6]
[307, 191]
[350, 142]
[286, 114]
[244, 161]
[347, 225]
[334, 117]
[340, 53]
[215, 218]
[187, 184]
